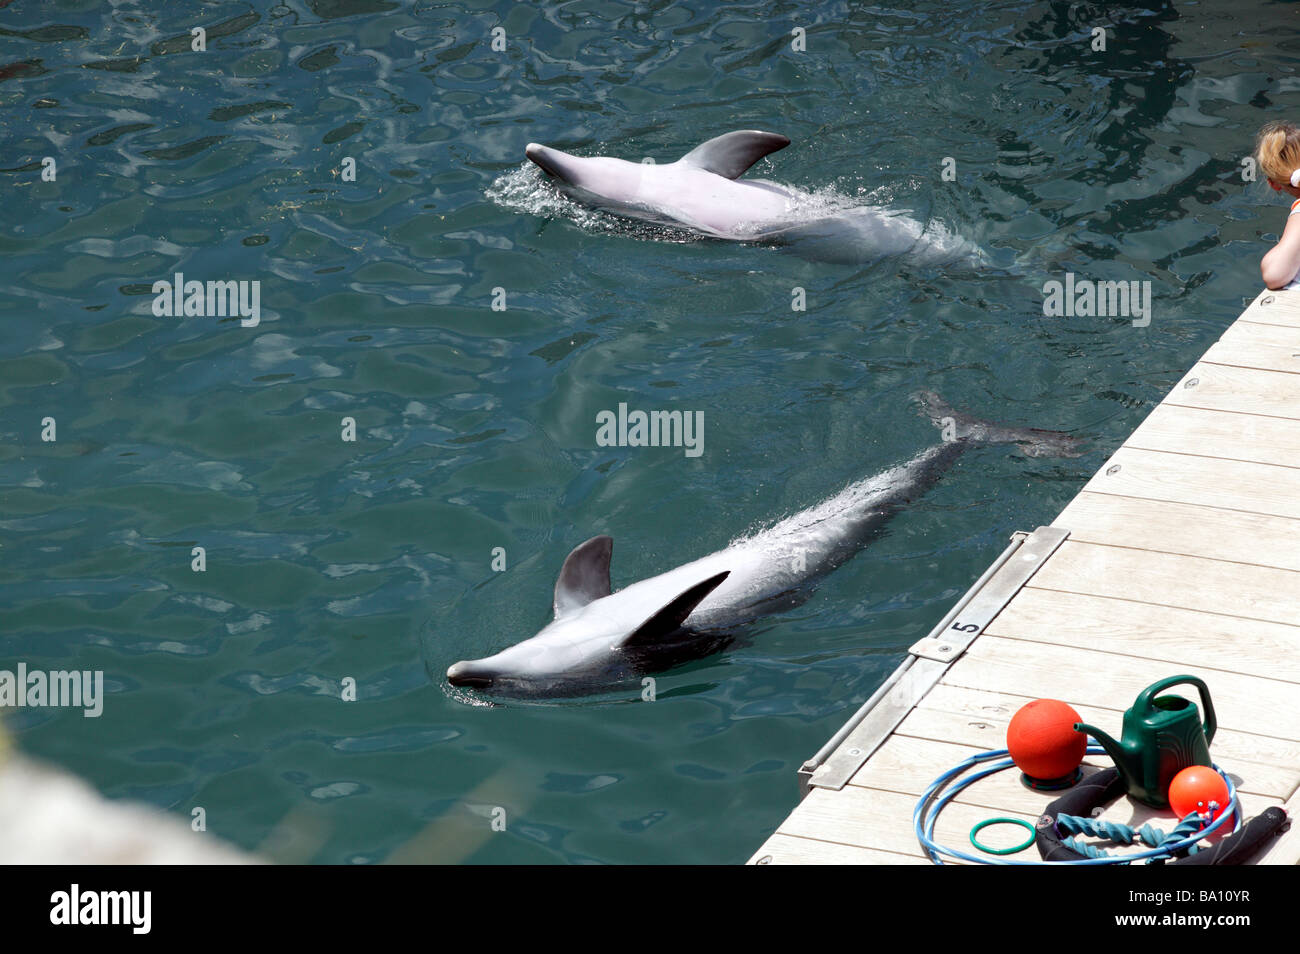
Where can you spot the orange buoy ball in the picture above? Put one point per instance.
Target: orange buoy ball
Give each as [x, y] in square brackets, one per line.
[1044, 744]
[1194, 788]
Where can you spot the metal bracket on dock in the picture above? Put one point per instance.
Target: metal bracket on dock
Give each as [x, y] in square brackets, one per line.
[928, 660]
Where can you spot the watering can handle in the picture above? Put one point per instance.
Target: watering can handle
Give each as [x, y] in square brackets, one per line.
[1211, 723]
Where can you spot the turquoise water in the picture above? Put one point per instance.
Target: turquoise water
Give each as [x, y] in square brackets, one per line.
[475, 429]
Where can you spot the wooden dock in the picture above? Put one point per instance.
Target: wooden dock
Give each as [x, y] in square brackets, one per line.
[1180, 556]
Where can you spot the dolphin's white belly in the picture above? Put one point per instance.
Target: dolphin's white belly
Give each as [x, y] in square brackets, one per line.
[710, 202]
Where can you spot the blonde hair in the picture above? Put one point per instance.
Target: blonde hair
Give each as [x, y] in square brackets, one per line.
[1277, 150]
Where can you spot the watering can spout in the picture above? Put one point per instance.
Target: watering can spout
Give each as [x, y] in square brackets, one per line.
[1112, 746]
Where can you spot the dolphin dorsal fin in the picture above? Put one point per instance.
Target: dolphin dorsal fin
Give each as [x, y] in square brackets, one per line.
[672, 615]
[584, 576]
[730, 154]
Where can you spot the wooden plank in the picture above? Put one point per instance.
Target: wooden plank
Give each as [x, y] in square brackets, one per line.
[1204, 481]
[1286, 850]
[869, 818]
[1243, 390]
[1169, 579]
[1159, 633]
[1210, 433]
[855, 816]
[1244, 703]
[786, 850]
[1283, 308]
[1188, 529]
[1275, 777]
[1248, 344]
[997, 708]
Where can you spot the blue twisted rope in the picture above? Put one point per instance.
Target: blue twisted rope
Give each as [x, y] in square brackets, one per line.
[1121, 834]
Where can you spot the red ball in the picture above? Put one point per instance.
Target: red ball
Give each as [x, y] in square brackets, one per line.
[1042, 741]
[1194, 788]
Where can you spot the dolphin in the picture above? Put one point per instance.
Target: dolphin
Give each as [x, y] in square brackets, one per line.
[702, 192]
[600, 639]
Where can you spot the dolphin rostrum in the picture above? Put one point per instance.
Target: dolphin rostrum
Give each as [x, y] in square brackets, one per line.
[600, 639]
[702, 192]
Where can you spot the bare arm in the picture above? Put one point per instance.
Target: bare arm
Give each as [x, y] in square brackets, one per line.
[1282, 262]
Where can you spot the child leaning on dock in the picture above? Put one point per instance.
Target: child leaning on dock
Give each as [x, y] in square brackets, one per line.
[1277, 150]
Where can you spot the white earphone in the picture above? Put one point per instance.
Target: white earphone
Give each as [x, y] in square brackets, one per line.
[1295, 179]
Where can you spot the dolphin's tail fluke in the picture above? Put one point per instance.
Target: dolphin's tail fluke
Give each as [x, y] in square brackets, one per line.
[959, 426]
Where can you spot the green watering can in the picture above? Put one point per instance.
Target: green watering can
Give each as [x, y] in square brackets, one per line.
[1162, 736]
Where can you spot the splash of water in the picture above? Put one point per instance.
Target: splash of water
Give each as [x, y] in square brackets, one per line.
[855, 224]
[527, 190]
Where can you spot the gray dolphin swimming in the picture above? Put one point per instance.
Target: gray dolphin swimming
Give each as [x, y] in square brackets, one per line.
[703, 193]
[600, 639]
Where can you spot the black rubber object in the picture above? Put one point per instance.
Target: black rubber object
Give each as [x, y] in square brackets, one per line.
[1106, 786]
